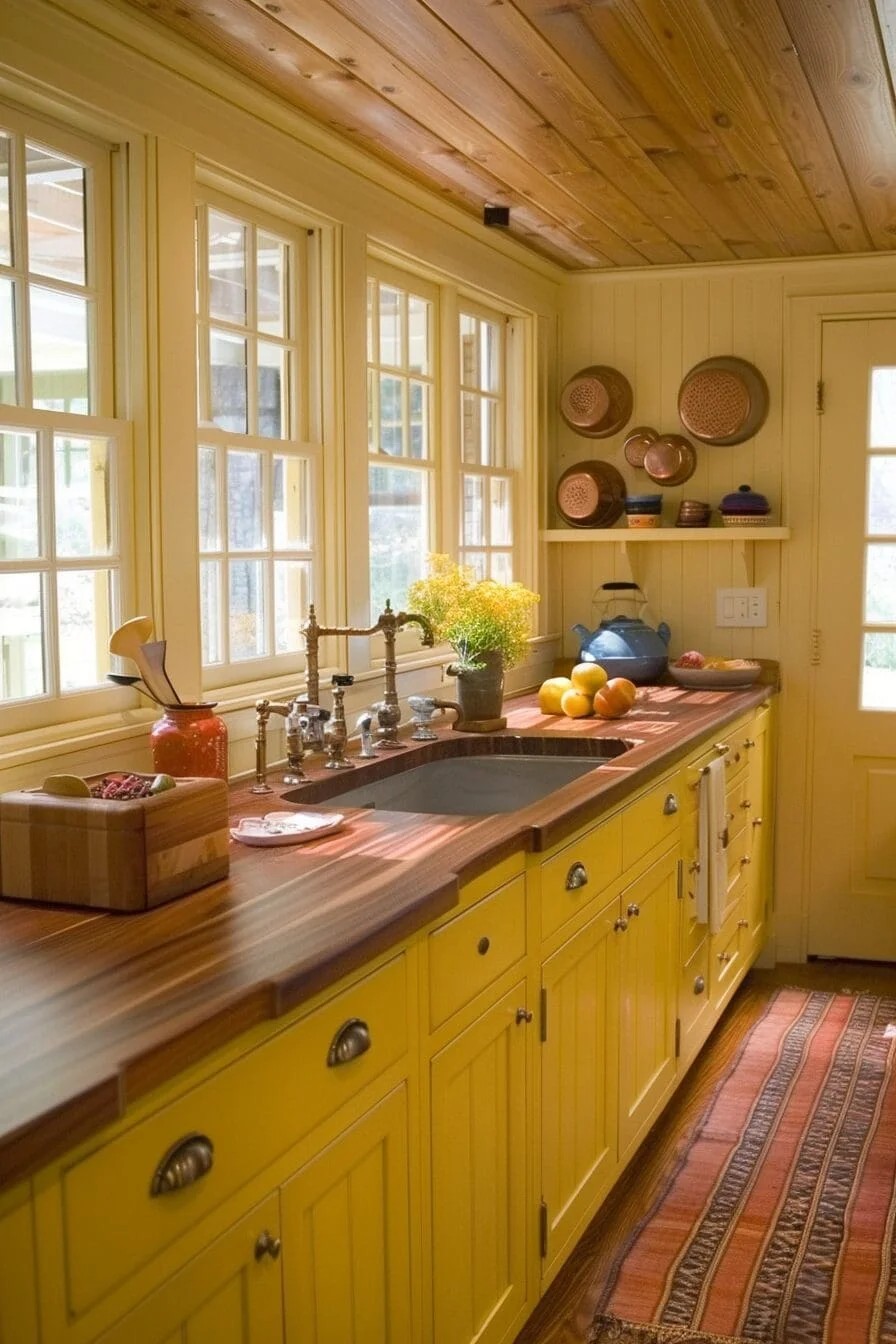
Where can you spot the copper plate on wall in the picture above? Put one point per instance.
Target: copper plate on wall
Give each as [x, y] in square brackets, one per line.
[591, 494]
[596, 401]
[671, 460]
[723, 400]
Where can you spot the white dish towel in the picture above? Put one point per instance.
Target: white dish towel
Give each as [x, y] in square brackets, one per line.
[712, 841]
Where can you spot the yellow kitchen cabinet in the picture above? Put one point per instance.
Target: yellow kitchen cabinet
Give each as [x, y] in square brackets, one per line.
[758, 746]
[18, 1276]
[347, 1236]
[228, 1294]
[579, 1071]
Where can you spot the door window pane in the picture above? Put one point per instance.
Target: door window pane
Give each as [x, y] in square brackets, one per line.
[883, 408]
[399, 533]
[55, 197]
[19, 524]
[880, 583]
[879, 671]
[882, 495]
[59, 350]
[22, 669]
[247, 610]
[83, 493]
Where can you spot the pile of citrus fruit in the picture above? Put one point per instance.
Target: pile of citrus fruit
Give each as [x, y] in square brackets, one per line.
[587, 690]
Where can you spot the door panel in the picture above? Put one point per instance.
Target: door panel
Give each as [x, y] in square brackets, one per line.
[852, 901]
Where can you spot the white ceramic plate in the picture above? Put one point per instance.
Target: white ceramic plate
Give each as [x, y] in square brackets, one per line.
[285, 828]
[715, 678]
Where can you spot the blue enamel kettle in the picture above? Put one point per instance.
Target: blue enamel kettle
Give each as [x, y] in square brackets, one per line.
[624, 645]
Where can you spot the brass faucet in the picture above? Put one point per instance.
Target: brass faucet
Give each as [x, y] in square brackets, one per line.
[295, 746]
[389, 622]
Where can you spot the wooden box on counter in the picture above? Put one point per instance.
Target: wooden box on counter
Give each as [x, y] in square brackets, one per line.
[104, 854]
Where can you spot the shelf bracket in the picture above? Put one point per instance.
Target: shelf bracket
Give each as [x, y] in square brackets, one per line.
[745, 557]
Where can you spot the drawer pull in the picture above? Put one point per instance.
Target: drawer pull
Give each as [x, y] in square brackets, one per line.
[743, 923]
[699, 985]
[620, 925]
[757, 821]
[670, 806]
[267, 1245]
[633, 911]
[351, 1040]
[523, 1015]
[483, 946]
[746, 858]
[748, 742]
[576, 877]
[746, 804]
[724, 957]
[184, 1164]
[722, 748]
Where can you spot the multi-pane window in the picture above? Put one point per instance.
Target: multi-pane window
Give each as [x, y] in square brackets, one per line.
[879, 614]
[486, 525]
[256, 462]
[62, 464]
[400, 440]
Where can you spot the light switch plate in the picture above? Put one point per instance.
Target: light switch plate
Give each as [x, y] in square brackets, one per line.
[742, 606]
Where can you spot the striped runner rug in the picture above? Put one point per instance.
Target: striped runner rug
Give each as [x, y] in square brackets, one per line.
[777, 1223]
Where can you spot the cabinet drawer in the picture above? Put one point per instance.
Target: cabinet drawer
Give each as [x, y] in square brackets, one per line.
[726, 958]
[251, 1111]
[693, 999]
[652, 818]
[469, 953]
[578, 872]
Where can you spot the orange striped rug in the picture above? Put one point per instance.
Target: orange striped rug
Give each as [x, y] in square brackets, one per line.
[777, 1223]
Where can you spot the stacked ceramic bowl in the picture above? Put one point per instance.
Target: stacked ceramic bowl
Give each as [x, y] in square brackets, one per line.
[693, 513]
[643, 510]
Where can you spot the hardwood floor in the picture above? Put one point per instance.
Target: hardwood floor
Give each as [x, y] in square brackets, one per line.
[564, 1315]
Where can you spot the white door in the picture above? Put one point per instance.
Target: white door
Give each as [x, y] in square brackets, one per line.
[852, 903]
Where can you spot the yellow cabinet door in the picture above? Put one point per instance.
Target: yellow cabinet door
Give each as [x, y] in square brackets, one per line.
[346, 1236]
[479, 1140]
[18, 1277]
[760, 816]
[579, 1095]
[648, 979]
[229, 1294]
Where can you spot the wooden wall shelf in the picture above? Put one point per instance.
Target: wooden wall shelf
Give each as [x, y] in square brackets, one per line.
[624, 535]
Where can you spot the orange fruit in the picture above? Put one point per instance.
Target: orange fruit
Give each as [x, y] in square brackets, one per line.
[615, 699]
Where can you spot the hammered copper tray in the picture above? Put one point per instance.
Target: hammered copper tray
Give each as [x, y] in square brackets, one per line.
[723, 400]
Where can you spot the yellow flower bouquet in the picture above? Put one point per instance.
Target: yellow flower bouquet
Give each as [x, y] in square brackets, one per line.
[475, 616]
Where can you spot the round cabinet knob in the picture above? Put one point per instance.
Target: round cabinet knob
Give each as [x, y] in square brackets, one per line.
[757, 821]
[670, 806]
[746, 804]
[620, 925]
[745, 860]
[743, 923]
[699, 985]
[576, 877]
[633, 910]
[523, 1015]
[748, 742]
[483, 946]
[724, 957]
[267, 1244]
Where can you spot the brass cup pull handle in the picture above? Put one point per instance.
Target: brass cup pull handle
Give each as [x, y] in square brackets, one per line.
[576, 877]
[267, 1244]
[351, 1040]
[620, 925]
[722, 748]
[670, 805]
[633, 911]
[185, 1163]
[523, 1015]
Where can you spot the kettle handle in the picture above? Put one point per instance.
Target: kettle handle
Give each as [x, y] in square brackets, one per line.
[617, 584]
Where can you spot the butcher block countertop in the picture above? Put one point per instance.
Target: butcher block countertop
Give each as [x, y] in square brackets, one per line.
[97, 1009]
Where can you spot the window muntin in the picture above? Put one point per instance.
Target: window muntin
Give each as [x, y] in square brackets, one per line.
[256, 468]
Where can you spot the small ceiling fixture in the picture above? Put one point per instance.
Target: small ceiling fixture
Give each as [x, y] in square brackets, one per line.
[496, 216]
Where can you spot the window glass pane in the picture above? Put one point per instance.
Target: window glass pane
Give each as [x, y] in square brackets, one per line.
[371, 320]
[245, 501]
[84, 599]
[883, 408]
[82, 470]
[19, 526]
[469, 354]
[473, 533]
[6, 256]
[879, 672]
[502, 567]
[272, 364]
[247, 610]
[8, 384]
[272, 256]
[210, 609]
[418, 397]
[478, 562]
[292, 504]
[59, 351]
[418, 334]
[292, 594]
[209, 515]
[372, 412]
[491, 447]
[21, 637]
[390, 326]
[55, 195]
[882, 495]
[880, 583]
[399, 533]
[470, 430]
[229, 380]
[227, 292]
[391, 416]
[500, 512]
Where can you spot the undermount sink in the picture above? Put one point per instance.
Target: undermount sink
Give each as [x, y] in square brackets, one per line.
[476, 778]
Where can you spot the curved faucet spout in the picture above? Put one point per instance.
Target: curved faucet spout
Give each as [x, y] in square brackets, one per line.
[427, 638]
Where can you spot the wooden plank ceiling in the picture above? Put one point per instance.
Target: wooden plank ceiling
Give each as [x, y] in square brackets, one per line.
[618, 132]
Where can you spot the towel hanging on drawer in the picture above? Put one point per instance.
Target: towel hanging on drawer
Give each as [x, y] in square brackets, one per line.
[712, 874]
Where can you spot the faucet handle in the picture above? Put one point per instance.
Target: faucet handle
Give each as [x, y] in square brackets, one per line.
[422, 708]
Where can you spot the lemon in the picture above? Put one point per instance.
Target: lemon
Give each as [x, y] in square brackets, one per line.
[576, 704]
[549, 694]
[588, 677]
[66, 786]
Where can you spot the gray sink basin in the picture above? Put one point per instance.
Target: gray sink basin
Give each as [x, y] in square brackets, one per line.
[466, 784]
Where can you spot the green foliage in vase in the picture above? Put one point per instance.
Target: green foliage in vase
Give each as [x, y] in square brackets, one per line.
[474, 615]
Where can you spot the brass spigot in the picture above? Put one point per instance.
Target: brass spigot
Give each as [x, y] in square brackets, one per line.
[295, 747]
[336, 732]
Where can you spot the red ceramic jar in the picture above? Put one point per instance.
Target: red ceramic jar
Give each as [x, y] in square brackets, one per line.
[189, 740]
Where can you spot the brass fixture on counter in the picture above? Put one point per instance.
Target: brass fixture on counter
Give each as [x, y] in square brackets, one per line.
[336, 733]
[304, 728]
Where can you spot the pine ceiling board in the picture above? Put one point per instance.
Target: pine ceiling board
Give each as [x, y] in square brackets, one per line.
[250, 41]
[531, 160]
[759, 37]
[844, 61]
[514, 48]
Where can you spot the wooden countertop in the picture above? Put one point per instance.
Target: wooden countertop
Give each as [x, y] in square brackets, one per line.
[97, 1009]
